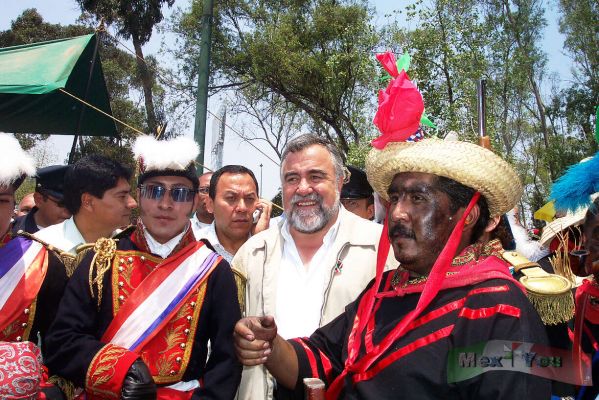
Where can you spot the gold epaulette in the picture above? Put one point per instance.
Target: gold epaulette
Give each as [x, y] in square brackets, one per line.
[67, 259]
[550, 294]
[105, 250]
[240, 281]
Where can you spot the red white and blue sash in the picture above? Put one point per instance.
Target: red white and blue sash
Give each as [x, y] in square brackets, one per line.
[161, 294]
[23, 266]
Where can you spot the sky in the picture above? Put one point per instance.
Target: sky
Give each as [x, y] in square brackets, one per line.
[235, 151]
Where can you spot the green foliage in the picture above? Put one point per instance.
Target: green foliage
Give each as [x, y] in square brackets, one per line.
[314, 53]
[278, 200]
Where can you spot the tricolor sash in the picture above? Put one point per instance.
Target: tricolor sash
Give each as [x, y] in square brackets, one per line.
[160, 295]
[23, 267]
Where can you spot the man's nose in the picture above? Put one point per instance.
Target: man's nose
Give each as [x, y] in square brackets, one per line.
[131, 203]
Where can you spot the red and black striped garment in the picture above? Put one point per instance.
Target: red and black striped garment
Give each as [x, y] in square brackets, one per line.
[415, 365]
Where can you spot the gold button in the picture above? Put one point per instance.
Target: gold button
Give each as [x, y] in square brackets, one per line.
[121, 260]
[182, 345]
[189, 318]
[193, 304]
[26, 311]
[19, 338]
[142, 258]
[130, 260]
[178, 360]
[121, 298]
[121, 284]
[24, 325]
[121, 269]
[186, 331]
[173, 372]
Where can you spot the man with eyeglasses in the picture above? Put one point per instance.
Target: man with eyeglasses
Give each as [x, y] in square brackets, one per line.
[48, 197]
[138, 314]
[202, 218]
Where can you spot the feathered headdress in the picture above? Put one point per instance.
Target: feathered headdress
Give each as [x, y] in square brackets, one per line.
[574, 189]
[15, 163]
[166, 157]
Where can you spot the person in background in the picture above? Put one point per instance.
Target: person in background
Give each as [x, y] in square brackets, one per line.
[233, 199]
[357, 194]
[48, 197]
[202, 217]
[25, 205]
[97, 194]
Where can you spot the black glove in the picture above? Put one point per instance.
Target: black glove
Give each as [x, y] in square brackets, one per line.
[138, 383]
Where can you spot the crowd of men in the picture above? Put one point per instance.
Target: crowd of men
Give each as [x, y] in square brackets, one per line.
[185, 288]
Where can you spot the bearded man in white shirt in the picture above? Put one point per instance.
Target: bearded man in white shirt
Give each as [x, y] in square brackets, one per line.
[309, 266]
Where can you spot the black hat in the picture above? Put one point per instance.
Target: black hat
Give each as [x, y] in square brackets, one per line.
[358, 186]
[50, 181]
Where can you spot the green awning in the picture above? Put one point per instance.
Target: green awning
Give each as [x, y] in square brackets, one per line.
[32, 77]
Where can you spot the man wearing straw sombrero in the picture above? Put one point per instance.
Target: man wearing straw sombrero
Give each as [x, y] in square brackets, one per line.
[407, 333]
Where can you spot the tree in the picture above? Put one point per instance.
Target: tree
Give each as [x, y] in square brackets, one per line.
[135, 20]
[315, 54]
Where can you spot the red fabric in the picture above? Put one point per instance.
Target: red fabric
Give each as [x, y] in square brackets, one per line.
[26, 290]
[172, 394]
[326, 365]
[400, 109]
[402, 352]
[310, 355]
[487, 312]
[148, 285]
[20, 370]
[388, 62]
[107, 372]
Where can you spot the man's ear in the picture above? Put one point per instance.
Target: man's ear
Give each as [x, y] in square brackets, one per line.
[370, 211]
[87, 202]
[210, 205]
[492, 224]
[37, 198]
[472, 218]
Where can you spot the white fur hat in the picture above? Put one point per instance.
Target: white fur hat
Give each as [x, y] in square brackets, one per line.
[166, 157]
[15, 163]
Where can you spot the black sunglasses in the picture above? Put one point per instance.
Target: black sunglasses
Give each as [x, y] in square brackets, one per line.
[157, 192]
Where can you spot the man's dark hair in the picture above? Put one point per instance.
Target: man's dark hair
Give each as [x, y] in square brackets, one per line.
[229, 169]
[92, 174]
[459, 196]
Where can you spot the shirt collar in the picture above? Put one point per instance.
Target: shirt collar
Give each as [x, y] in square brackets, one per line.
[163, 249]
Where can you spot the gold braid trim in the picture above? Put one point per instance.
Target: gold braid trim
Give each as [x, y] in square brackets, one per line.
[553, 309]
[67, 387]
[67, 259]
[105, 250]
[240, 281]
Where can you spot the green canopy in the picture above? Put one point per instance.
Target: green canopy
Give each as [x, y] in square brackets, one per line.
[32, 78]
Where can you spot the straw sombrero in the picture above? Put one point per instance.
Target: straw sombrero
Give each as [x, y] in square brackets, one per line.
[466, 163]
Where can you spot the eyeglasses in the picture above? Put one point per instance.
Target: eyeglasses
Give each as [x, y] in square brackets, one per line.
[157, 192]
[204, 189]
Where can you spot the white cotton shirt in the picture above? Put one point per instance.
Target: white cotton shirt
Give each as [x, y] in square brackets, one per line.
[163, 249]
[64, 236]
[300, 288]
[209, 232]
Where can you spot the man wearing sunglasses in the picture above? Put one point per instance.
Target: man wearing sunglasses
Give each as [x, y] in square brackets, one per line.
[138, 314]
[48, 197]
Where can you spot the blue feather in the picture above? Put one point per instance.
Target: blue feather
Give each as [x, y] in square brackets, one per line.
[574, 189]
